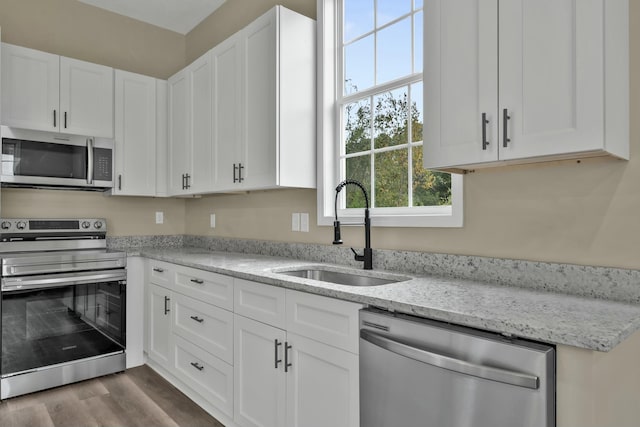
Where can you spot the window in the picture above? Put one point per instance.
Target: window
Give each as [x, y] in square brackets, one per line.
[371, 116]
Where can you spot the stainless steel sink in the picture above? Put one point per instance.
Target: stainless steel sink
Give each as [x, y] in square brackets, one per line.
[342, 278]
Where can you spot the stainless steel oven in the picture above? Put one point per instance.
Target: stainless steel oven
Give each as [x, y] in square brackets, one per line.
[63, 311]
[51, 160]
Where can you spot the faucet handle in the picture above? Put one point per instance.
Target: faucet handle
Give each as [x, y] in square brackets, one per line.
[358, 257]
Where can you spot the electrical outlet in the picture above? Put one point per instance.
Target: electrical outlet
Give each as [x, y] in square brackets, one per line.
[295, 222]
[159, 217]
[212, 220]
[304, 222]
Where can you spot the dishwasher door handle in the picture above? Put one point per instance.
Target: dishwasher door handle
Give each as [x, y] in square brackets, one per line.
[451, 363]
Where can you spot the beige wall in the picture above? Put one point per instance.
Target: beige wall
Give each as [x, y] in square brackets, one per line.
[74, 29]
[583, 213]
[126, 216]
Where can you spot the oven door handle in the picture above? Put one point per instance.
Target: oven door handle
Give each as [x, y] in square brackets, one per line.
[51, 281]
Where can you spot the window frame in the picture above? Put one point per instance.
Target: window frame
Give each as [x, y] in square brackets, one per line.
[328, 152]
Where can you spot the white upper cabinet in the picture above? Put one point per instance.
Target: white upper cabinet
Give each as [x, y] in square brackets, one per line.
[179, 144]
[52, 93]
[135, 134]
[190, 145]
[525, 81]
[264, 104]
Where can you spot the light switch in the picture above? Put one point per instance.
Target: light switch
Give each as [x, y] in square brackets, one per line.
[295, 222]
[159, 217]
[304, 222]
[212, 220]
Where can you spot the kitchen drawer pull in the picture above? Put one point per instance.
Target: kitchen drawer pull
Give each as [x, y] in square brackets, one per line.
[505, 118]
[166, 307]
[277, 361]
[197, 319]
[198, 366]
[198, 281]
[287, 365]
[450, 363]
[158, 270]
[485, 122]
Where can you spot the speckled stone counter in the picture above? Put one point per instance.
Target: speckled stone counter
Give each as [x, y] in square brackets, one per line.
[595, 324]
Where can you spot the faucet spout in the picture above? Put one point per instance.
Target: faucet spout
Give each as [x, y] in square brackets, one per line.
[367, 256]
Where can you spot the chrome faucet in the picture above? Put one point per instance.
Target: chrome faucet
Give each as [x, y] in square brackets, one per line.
[367, 256]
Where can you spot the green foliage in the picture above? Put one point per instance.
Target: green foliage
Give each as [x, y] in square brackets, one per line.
[391, 117]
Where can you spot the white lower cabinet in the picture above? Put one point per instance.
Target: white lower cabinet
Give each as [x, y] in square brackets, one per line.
[159, 325]
[282, 358]
[260, 382]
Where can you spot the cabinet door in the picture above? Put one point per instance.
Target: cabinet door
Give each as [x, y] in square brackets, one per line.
[86, 98]
[551, 76]
[322, 385]
[30, 88]
[179, 150]
[259, 378]
[226, 66]
[260, 101]
[460, 82]
[200, 124]
[135, 134]
[159, 324]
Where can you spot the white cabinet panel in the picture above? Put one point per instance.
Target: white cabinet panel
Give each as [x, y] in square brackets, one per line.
[550, 78]
[179, 142]
[228, 142]
[322, 385]
[326, 320]
[159, 325]
[200, 170]
[208, 375]
[260, 383]
[206, 286]
[208, 327]
[86, 98]
[160, 273]
[135, 134]
[260, 302]
[30, 88]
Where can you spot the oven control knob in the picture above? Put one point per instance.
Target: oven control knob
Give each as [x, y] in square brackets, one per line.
[5, 225]
[21, 225]
[98, 224]
[86, 224]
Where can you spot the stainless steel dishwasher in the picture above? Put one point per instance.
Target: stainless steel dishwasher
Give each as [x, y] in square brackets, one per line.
[416, 372]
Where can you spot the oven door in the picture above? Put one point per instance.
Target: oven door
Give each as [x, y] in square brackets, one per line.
[60, 318]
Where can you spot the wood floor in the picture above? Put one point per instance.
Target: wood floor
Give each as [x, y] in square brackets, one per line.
[137, 397]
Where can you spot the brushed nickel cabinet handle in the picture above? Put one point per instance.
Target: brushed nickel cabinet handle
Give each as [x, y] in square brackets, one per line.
[505, 118]
[484, 131]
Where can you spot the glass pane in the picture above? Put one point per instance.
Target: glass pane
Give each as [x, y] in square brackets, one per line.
[357, 126]
[394, 52]
[358, 65]
[417, 42]
[358, 168]
[418, 4]
[392, 182]
[358, 18]
[429, 188]
[390, 122]
[388, 10]
[417, 112]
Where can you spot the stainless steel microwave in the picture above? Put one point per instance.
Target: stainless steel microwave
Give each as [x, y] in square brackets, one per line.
[37, 159]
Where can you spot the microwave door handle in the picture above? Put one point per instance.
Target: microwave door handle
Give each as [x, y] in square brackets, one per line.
[89, 161]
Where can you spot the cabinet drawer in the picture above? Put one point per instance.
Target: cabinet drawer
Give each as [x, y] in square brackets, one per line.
[209, 376]
[260, 302]
[159, 272]
[206, 286]
[323, 319]
[207, 326]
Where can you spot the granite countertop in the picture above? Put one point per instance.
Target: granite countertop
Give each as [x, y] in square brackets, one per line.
[555, 318]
